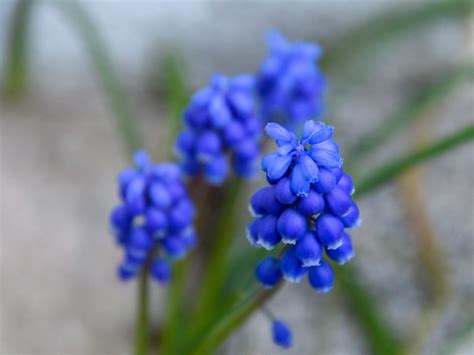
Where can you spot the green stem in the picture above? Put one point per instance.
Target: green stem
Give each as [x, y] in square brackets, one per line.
[106, 72]
[142, 326]
[389, 171]
[16, 63]
[233, 320]
[215, 271]
[409, 113]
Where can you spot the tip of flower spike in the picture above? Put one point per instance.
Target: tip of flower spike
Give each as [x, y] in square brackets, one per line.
[282, 335]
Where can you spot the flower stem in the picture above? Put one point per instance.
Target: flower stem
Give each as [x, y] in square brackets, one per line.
[142, 332]
[233, 320]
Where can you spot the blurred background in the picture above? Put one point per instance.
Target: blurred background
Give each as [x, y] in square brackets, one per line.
[402, 62]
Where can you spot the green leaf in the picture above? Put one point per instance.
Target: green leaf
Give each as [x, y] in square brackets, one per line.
[16, 61]
[394, 168]
[408, 114]
[106, 72]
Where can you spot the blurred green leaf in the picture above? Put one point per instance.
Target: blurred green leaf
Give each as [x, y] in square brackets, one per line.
[106, 72]
[17, 57]
[394, 168]
[381, 28]
[408, 114]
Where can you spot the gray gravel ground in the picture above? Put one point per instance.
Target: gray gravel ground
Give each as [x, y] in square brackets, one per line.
[60, 153]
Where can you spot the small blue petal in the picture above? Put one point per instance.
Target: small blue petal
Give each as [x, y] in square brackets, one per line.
[321, 277]
[329, 230]
[208, 145]
[327, 181]
[282, 335]
[271, 204]
[346, 184]
[159, 195]
[257, 203]
[185, 142]
[299, 184]
[278, 166]
[352, 218]
[310, 205]
[326, 158]
[291, 266]
[253, 232]
[140, 240]
[141, 159]
[328, 144]
[156, 222]
[126, 272]
[217, 170]
[283, 192]
[174, 247]
[120, 218]
[338, 201]
[344, 252]
[285, 149]
[124, 178]
[280, 134]
[181, 215]
[268, 237]
[135, 189]
[308, 250]
[292, 226]
[161, 270]
[309, 167]
[219, 112]
[321, 133]
[233, 133]
[268, 271]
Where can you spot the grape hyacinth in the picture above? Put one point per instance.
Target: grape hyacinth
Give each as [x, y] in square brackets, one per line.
[290, 85]
[282, 335]
[154, 221]
[307, 206]
[222, 128]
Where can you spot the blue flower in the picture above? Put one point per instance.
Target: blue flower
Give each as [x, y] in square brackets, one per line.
[300, 160]
[289, 82]
[282, 335]
[307, 206]
[154, 221]
[221, 130]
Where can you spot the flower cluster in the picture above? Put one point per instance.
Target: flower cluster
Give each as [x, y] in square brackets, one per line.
[221, 124]
[307, 206]
[154, 221]
[289, 82]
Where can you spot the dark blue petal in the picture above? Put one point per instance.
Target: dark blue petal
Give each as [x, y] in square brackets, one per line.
[247, 149]
[291, 266]
[329, 230]
[253, 232]
[120, 218]
[233, 133]
[272, 205]
[310, 205]
[344, 252]
[346, 184]
[321, 277]
[338, 201]
[283, 192]
[174, 247]
[156, 222]
[268, 236]
[140, 240]
[352, 218]
[181, 215]
[185, 142]
[126, 272]
[326, 182]
[208, 145]
[282, 335]
[124, 178]
[308, 250]
[217, 170]
[219, 112]
[299, 184]
[160, 195]
[268, 271]
[161, 270]
[257, 203]
[291, 226]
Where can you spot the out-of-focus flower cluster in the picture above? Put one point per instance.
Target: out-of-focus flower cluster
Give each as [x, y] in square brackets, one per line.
[154, 221]
[307, 206]
[222, 128]
[290, 85]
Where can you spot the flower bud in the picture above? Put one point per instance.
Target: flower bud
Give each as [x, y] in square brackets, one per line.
[308, 250]
[321, 277]
[291, 226]
[291, 266]
[268, 271]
